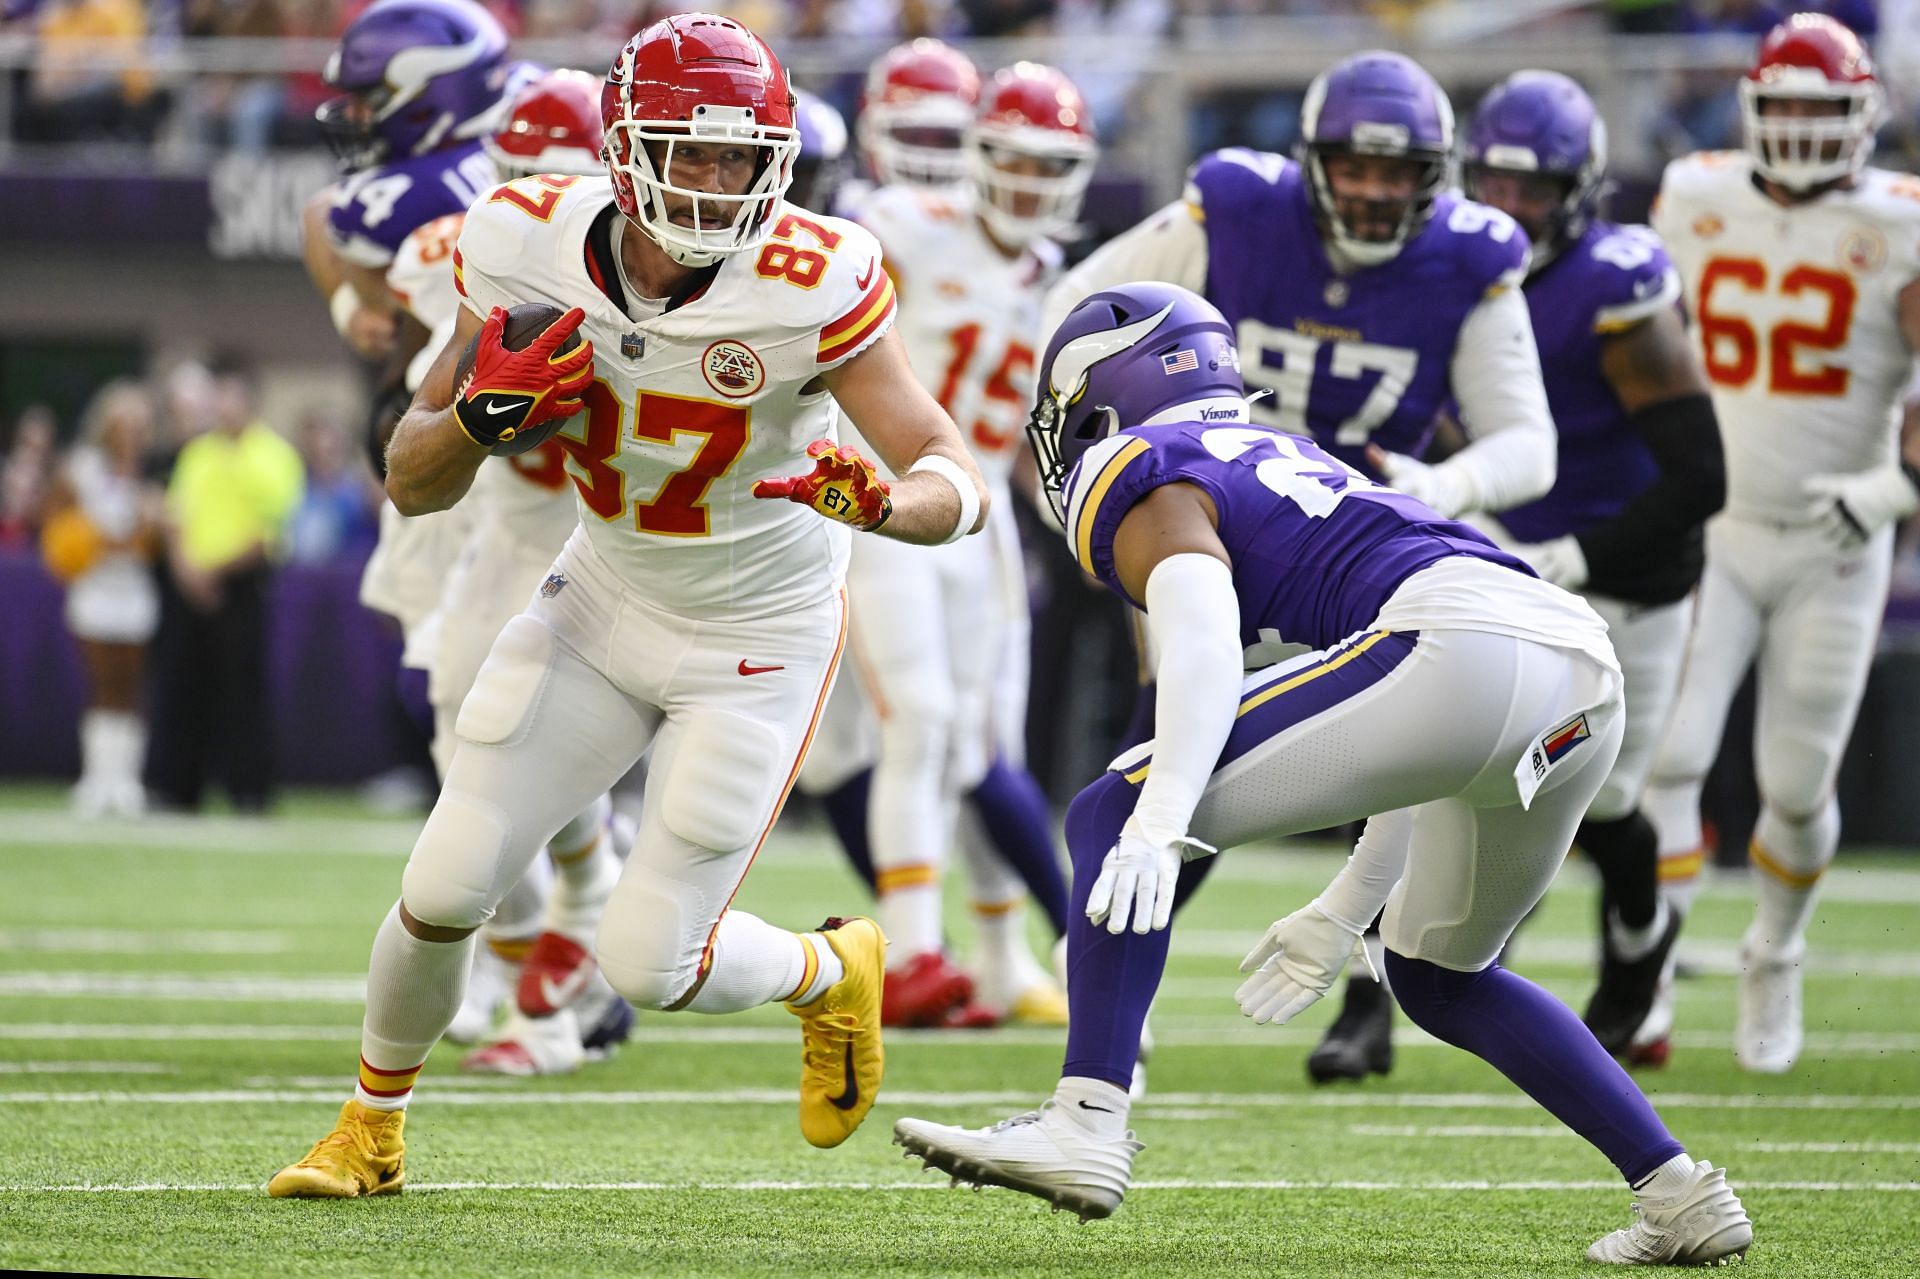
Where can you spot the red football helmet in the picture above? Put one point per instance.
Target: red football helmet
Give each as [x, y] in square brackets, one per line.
[920, 98]
[704, 80]
[553, 126]
[1810, 58]
[1031, 152]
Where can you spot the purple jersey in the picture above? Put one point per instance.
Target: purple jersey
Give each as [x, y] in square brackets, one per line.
[1352, 359]
[1316, 547]
[374, 211]
[1610, 279]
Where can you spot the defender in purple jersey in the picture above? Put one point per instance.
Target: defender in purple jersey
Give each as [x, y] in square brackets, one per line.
[1640, 471]
[1471, 705]
[1363, 297]
[420, 82]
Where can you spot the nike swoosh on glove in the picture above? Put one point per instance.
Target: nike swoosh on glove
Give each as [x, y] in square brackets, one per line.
[842, 486]
[1437, 486]
[513, 391]
[1560, 561]
[1849, 509]
[1137, 880]
[1297, 962]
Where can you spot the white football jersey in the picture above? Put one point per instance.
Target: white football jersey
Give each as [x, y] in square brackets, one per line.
[692, 405]
[528, 494]
[1797, 313]
[969, 315]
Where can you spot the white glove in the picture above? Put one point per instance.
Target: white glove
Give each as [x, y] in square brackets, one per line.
[1296, 963]
[1137, 879]
[1849, 509]
[1440, 487]
[1560, 561]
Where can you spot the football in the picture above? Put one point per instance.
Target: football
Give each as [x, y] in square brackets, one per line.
[524, 323]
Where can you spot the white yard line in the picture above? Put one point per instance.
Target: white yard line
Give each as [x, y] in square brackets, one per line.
[1554, 1131]
[459, 1096]
[248, 836]
[1715, 958]
[130, 941]
[51, 1031]
[221, 987]
[86, 1068]
[1176, 1183]
[1194, 1033]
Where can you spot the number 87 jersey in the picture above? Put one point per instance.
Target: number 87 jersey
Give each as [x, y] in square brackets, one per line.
[1796, 309]
[696, 399]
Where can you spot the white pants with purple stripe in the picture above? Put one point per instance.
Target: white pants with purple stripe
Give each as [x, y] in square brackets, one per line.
[1481, 750]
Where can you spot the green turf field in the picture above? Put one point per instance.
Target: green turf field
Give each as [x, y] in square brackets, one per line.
[179, 1011]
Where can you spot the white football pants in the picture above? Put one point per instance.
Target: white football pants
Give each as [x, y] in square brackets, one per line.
[575, 690]
[1439, 722]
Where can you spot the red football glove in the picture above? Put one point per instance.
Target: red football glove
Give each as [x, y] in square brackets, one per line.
[842, 486]
[512, 391]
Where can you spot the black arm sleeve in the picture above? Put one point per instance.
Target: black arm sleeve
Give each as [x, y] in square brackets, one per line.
[1652, 551]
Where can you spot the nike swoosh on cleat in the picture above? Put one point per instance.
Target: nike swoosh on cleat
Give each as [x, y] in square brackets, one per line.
[757, 670]
[560, 996]
[1102, 1109]
[851, 1097]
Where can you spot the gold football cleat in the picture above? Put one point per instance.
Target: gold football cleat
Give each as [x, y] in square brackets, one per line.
[842, 1059]
[363, 1155]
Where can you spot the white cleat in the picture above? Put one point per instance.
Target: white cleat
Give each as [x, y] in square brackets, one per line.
[1043, 1153]
[489, 985]
[1703, 1225]
[1767, 1032]
[530, 1046]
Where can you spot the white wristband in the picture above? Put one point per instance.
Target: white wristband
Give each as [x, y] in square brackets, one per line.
[342, 305]
[949, 470]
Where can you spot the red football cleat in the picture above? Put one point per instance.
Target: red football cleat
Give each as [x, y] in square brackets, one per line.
[969, 1016]
[1653, 1054]
[555, 974]
[923, 991]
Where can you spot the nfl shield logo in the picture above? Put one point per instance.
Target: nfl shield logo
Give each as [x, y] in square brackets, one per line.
[553, 585]
[632, 345]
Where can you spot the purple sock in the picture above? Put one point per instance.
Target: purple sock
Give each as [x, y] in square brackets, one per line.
[1537, 1042]
[1110, 979]
[846, 807]
[1014, 811]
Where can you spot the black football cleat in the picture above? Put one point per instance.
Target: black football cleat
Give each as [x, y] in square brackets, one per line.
[1360, 1041]
[1627, 987]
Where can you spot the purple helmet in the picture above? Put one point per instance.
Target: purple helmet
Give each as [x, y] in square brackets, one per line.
[1118, 359]
[1376, 103]
[417, 74]
[822, 163]
[1541, 122]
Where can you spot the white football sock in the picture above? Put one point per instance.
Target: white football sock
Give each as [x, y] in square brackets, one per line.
[1094, 1104]
[910, 914]
[754, 963]
[414, 988]
[1669, 1179]
[1790, 858]
[583, 880]
[827, 970]
[1633, 943]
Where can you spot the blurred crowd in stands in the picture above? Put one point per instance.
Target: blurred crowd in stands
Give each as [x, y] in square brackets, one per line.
[61, 98]
[166, 518]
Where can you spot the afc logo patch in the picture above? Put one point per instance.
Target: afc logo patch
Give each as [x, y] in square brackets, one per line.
[733, 369]
[555, 583]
